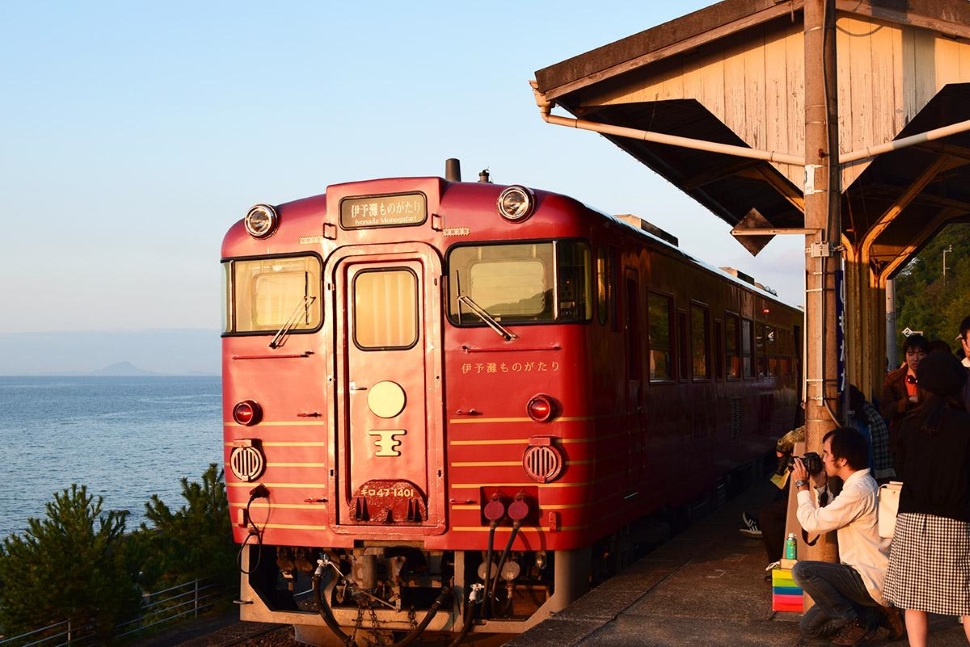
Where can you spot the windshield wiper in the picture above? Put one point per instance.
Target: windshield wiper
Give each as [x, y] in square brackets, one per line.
[506, 334]
[278, 338]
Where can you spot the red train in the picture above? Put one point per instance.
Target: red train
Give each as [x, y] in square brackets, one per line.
[423, 376]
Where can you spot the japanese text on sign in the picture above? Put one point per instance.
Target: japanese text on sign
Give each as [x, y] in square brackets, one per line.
[383, 211]
[496, 368]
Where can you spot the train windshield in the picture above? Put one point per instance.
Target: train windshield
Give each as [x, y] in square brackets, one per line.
[272, 295]
[521, 282]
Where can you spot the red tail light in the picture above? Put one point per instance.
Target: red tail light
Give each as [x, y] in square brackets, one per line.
[541, 408]
[247, 413]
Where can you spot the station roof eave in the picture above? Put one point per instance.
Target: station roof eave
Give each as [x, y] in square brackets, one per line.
[900, 198]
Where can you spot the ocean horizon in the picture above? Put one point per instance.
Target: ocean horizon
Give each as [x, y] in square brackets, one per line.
[125, 438]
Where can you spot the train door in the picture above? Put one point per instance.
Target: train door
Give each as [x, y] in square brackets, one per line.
[388, 433]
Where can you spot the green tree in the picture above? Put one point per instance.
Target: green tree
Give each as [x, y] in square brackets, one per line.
[72, 565]
[928, 301]
[192, 542]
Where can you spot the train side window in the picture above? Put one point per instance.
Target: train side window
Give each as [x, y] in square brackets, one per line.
[747, 348]
[659, 311]
[772, 349]
[718, 350]
[700, 344]
[732, 347]
[683, 346]
[386, 309]
[761, 348]
[605, 282]
[263, 295]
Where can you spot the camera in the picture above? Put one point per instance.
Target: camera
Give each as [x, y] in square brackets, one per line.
[813, 462]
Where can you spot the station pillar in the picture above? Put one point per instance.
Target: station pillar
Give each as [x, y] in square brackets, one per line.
[823, 200]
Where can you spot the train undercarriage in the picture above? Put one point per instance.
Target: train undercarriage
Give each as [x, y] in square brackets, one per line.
[383, 594]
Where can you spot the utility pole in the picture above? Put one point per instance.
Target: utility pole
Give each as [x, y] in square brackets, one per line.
[945, 251]
[823, 199]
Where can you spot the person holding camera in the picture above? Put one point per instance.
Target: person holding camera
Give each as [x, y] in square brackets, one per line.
[848, 595]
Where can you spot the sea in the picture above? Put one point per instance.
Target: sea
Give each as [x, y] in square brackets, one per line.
[124, 438]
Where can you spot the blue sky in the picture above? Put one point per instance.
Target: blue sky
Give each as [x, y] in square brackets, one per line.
[134, 134]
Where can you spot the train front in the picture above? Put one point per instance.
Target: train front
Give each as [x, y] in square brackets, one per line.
[389, 422]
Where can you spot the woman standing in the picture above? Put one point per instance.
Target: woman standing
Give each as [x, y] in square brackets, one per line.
[929, 563]
[900, 393]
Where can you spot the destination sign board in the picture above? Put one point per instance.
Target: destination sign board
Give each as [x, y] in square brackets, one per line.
[396, 210]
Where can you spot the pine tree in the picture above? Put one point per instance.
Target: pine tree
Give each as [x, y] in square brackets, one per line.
[193, 542]
[70, 566]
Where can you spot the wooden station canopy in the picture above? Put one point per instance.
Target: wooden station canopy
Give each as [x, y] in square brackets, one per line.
[733, 75]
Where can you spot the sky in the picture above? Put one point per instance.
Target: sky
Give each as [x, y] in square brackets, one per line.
[134, 134]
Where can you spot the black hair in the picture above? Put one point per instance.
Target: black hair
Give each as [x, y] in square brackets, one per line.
[964, 327]
[849, 444]
[916, 341]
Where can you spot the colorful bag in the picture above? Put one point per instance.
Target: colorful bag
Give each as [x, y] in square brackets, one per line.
[888, 506]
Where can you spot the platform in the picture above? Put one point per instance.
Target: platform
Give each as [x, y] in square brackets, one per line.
[704, 587]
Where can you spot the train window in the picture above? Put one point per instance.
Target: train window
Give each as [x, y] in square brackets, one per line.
[682, 336]
[267, 294]
[747, 347]
[700, 346]
[605, 280]
[761, 348]
[731, 346]
[772, 348]
[718, 350]
[386, 308]
[659, 310]
[522, 282]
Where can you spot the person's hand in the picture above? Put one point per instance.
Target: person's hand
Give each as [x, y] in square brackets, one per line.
[820, 479]
[798, 472]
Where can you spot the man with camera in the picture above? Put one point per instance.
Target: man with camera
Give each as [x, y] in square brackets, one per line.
[848, 596]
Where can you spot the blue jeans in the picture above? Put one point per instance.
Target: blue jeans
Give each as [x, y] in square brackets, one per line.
[840, 597]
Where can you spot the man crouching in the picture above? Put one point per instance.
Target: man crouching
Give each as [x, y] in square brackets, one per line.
[848, 596]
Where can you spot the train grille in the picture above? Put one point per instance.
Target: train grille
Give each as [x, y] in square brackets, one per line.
[247, 463]
[543, 463]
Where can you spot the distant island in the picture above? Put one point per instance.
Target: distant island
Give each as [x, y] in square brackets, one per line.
[123, 369]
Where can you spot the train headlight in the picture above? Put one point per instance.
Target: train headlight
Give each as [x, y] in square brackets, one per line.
[247, 413]
[516, 203]
[262, 221]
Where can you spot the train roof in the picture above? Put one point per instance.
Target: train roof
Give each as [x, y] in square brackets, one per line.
[663, 238]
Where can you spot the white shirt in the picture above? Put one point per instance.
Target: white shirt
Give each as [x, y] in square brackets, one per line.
[853, 515]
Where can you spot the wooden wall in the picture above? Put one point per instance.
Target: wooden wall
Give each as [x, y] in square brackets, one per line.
[887, 73]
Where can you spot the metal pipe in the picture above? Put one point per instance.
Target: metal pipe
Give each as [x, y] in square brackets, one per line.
[545, 110]
[905, 142]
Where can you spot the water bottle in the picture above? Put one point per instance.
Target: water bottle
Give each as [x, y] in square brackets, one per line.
[791, 547]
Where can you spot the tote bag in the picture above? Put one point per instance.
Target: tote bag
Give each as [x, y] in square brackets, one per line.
[888, 506]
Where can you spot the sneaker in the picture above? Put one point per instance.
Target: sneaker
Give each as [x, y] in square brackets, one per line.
[893, 621]
[851, 634]
[751, 528]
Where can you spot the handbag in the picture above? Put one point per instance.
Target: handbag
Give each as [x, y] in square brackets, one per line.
[888, 495]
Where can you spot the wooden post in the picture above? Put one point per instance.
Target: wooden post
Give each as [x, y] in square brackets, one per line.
[822, 214]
